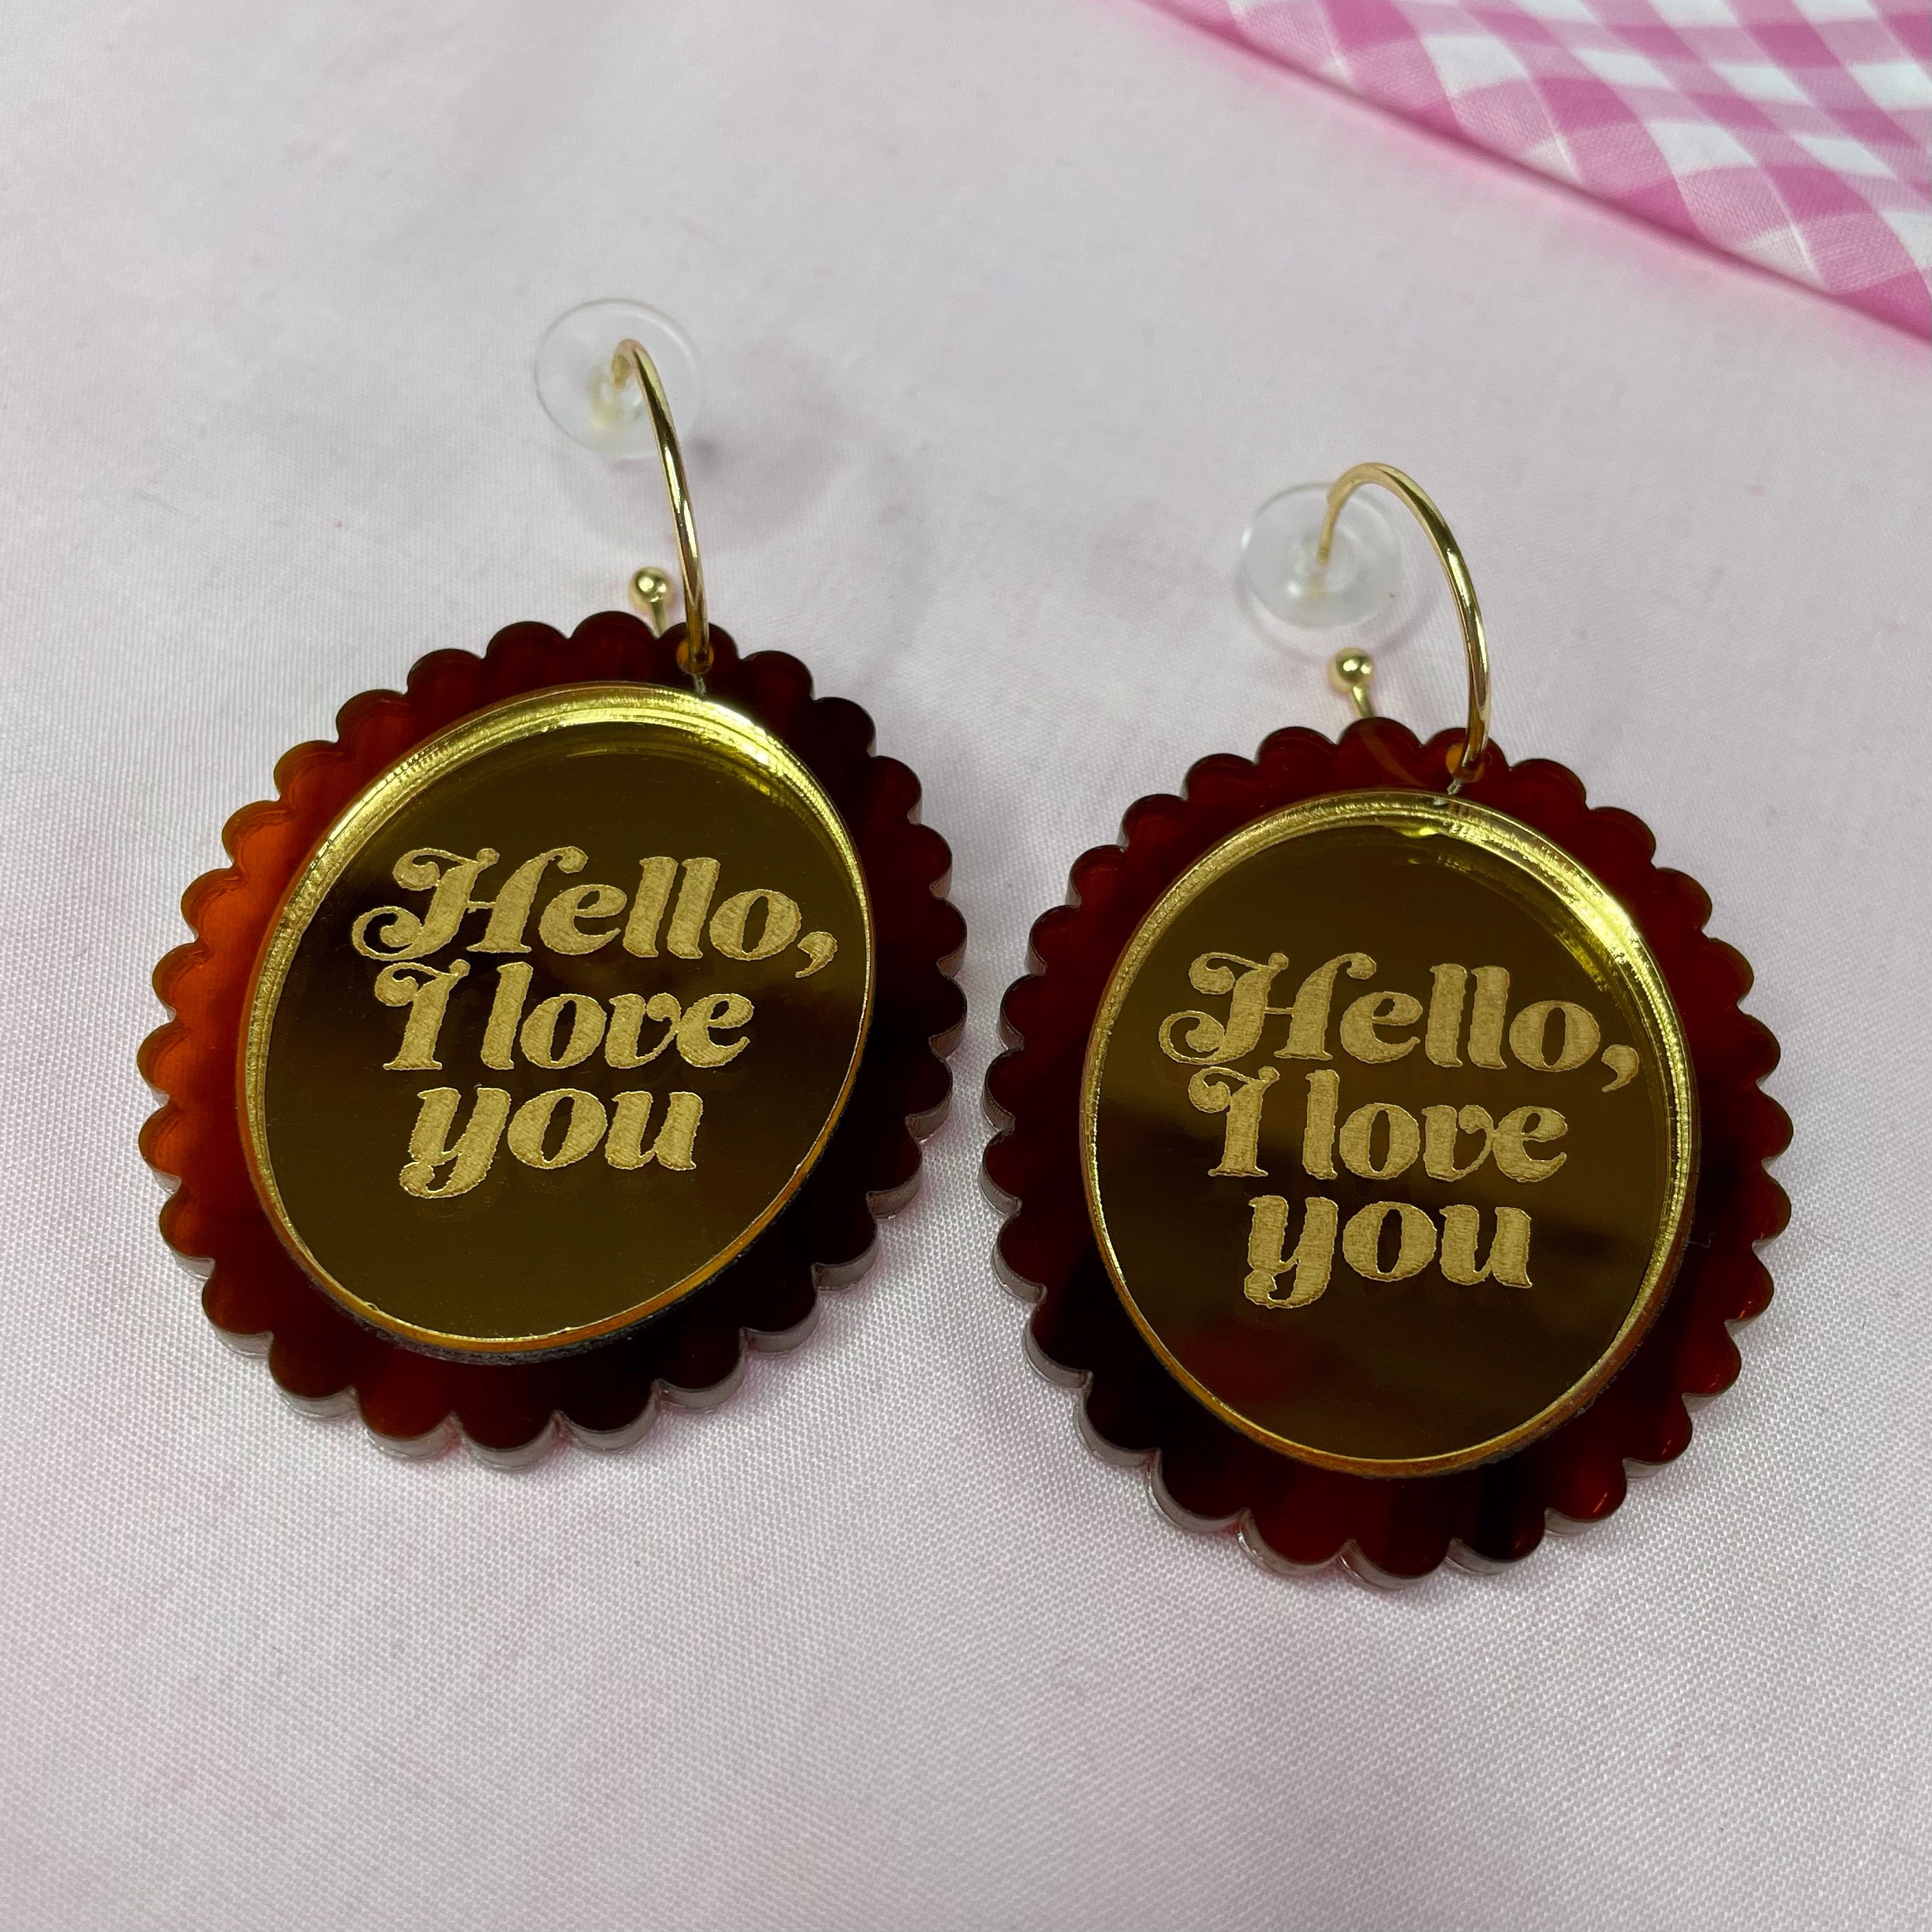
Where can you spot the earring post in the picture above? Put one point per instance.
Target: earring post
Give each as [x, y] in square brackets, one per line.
[1469, 757]
[1351, 671]
[632, 359]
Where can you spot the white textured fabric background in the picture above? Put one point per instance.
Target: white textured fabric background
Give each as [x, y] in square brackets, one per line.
[1012, 312]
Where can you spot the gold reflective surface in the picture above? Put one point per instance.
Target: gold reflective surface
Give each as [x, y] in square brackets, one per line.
[560, 1014]
[1389, 1132]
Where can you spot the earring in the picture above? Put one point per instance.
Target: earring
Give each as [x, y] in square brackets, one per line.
[1383, 1143]
[568, 1020]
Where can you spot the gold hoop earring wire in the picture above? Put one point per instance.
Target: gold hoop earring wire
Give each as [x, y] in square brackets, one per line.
[694, 656]
[1350, 670]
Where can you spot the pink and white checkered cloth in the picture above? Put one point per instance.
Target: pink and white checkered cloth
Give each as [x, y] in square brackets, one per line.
[1792, 132]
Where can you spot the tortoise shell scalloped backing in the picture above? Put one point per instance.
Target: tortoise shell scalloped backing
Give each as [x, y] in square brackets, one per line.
[1210, 1475]
[319, 1354]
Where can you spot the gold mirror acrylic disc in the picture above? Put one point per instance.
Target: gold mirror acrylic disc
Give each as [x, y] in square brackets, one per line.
[1389, 1132]
[561, 1013]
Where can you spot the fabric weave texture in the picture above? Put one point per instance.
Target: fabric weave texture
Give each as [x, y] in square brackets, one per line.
[1011, 312]
[1792, 134]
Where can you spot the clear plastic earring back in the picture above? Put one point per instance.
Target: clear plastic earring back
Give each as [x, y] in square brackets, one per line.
[602, 410]
[1289, 589]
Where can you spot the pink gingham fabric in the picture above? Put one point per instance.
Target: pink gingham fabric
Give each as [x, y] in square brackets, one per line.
[1792, 133]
